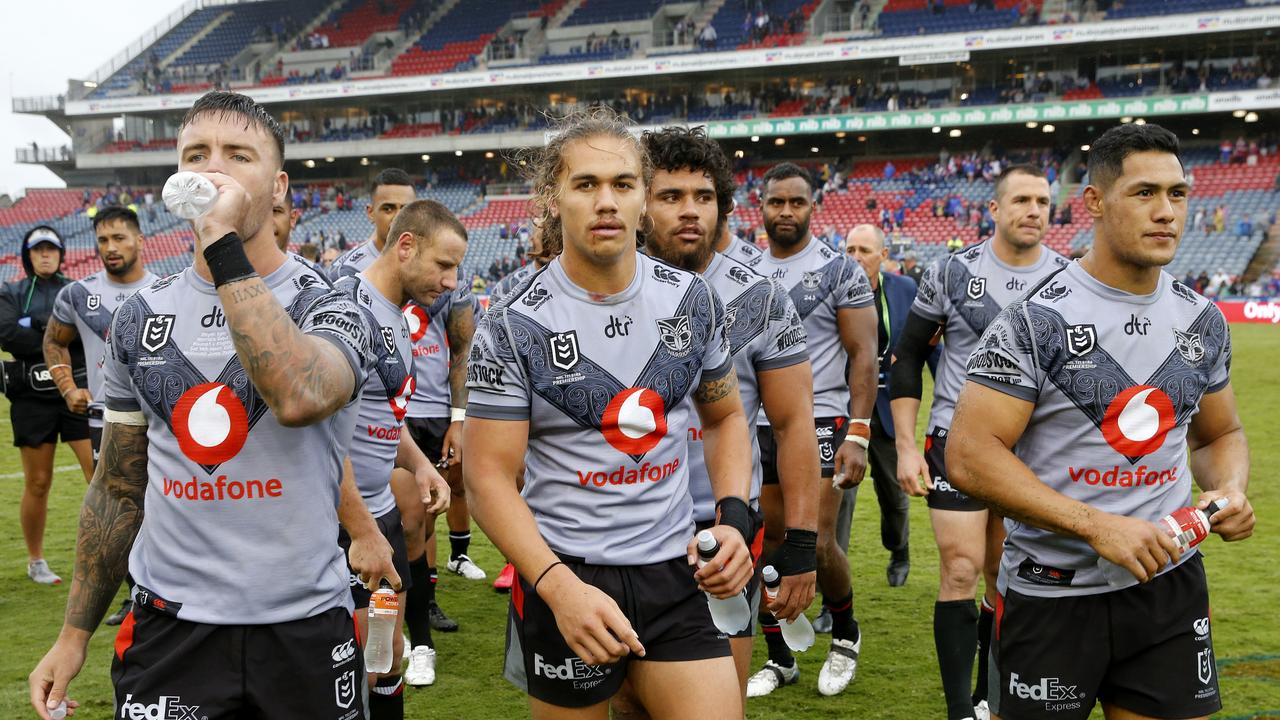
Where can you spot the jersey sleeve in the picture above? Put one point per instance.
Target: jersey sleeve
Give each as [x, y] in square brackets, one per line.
[1005, 358]
[64, 307]
[787, 341]
[336, 317]
[931, 302]
[716, 360]
[854, 290]
[118, 391]
[497, 386]
[1220, 373]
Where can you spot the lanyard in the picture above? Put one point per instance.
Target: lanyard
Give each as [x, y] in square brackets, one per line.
[884, 311]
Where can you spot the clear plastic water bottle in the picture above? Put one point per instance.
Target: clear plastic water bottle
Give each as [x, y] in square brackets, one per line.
[731, 615]
[1187, 526]
[384, 606]
[797, 633]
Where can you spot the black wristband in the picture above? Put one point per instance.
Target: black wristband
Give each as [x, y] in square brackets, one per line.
[227, 260]
[798, 553]
[735, 513]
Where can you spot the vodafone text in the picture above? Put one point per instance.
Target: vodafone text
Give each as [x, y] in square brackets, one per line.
[383, 433]
[623, 475]
[1115, 477]
[223, 489]
[425, 350]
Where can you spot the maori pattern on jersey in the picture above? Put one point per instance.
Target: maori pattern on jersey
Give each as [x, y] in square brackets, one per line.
[1091, 389]
[822, 282]
[97, 320]
[584, 398]
[745, 316]
[976, 313]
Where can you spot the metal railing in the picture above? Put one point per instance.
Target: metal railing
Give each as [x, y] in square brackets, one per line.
[39, 104]
[39, 155]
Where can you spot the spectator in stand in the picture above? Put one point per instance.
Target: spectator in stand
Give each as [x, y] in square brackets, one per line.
[911, 267]
[1202, 282]
[889, 170]
[954, 244]
[1220, 219]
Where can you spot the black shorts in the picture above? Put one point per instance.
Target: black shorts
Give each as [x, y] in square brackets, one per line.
[757, 551]
[169, 668]
[1147, 649]
[37, 422]
[429, 434]
[831, 432]
[393, 531]
[663, 604]
[944, 495]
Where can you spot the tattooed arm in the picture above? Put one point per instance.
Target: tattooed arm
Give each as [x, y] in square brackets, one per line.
[727, 449]
[460, 328]
[109, 521]
[58, 337]
[303, 379]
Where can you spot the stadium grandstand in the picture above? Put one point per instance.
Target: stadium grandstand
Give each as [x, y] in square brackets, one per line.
[902, 109]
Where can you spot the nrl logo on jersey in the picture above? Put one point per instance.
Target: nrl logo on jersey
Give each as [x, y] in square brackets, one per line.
[811, 280]
[93, 302]
[1081, 339]
[156, 332]
[389, 339]
[976, 288]
[676, 335]
[1189, 345]
[564, 350]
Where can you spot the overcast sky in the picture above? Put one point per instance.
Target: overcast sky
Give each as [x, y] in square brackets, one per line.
[45, 43]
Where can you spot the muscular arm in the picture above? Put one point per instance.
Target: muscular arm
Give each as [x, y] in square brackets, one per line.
[58, 337]
[302, 378]
[493, 455]
[109, 521]
[857, 328]
[787, 396]
[724, 436]
[1219, 462]
[459, 329]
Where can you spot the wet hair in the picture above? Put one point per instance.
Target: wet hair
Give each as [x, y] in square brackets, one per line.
[1107, 153]
[229, 104]
[1021, 169]
[390, 176]
[423, 219]
[786, 171]
[114, 213]
[677, 148]
[543, 166]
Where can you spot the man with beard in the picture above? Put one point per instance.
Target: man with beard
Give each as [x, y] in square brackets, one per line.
[834, 299]
[83, 311]
[284, 218]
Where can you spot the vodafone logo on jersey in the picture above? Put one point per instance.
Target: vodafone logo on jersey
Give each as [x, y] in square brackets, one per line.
[418, 321]
[400, 401]
[210, 423]
[1137, 420]
[635, 421]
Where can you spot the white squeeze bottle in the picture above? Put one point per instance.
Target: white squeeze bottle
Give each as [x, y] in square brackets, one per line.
[731, 615]
[799, 632]
[384, 606]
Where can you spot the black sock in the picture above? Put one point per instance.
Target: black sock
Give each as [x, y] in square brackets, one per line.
[843, 626]
[417, 606]
[955, 636]
[386, 699]
[985, 621]
[778, 650]
[459, 543]
[433, 579]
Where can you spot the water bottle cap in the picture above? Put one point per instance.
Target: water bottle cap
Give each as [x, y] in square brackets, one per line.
[707, 543]
[1216, 506]
[770, 575]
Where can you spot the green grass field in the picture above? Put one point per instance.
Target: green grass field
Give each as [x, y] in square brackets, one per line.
[897, 676]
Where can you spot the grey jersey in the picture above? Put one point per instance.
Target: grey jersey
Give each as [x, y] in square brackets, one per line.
[603, 383]
[1116, 379]
[821, 282]
[357, 259]
[88, 304]
[428, 331]
[765, 333]
[241, 519]
[503, 287]
[964, 292]
[742, 251]
[385, 397]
